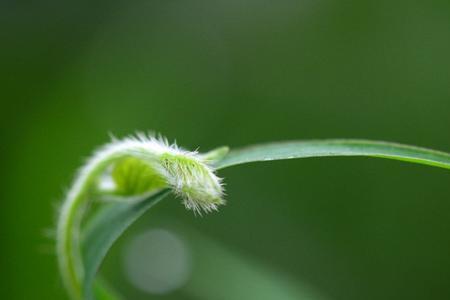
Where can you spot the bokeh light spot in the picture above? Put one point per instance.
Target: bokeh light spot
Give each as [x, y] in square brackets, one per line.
[157, 261]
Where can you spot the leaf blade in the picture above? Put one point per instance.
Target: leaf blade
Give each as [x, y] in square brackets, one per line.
[336, 147]
[104, 229]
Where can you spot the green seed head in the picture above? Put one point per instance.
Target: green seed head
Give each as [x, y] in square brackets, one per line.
[194, 181]
[153, 164]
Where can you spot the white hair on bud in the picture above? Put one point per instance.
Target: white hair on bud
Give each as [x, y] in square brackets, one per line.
[186, 172]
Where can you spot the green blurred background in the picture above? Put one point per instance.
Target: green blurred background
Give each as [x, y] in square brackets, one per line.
[236, 72]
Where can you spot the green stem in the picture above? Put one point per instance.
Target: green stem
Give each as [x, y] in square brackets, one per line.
[68, 248]
[68, 231]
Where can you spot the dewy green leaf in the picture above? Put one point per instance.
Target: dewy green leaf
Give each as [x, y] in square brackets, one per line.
[321, 148]
[139, 167]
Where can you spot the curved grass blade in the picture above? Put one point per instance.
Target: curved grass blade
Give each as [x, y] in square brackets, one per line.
[322, 148]
[107, 226]
[104, 229]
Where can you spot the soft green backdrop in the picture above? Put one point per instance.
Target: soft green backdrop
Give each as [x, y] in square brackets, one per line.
[209, 73]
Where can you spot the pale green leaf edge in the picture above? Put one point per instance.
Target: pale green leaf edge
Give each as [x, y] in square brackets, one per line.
[109, 224]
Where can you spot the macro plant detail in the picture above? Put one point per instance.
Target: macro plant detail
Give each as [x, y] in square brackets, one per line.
[126, 177]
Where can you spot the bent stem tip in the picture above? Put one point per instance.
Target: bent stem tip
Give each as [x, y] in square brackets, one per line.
[136, 166]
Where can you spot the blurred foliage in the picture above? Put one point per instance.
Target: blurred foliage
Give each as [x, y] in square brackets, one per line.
[210, 73]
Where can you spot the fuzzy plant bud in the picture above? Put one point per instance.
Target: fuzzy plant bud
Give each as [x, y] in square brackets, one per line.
[132, 169]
